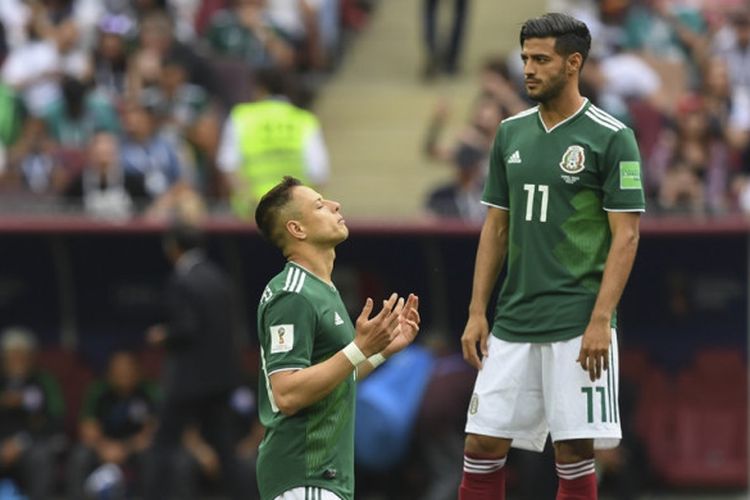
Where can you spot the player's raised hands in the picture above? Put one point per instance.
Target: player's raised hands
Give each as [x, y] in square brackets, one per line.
[407, 327]
[474, 340]
[374, 334]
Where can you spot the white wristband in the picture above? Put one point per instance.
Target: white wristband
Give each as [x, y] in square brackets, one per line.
[376, 360]
[353, 354]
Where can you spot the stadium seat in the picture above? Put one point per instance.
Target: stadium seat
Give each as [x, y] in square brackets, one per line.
[73, 375]
[710, 446]
[696, 429]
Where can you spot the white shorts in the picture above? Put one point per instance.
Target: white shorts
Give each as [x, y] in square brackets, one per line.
[308, 493]
[526, 390]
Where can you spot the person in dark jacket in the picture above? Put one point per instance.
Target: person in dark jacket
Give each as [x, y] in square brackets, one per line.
[31, 416]
[201, 365]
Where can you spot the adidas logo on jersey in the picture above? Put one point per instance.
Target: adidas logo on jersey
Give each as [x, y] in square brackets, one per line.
[337, 319]
[515, 157]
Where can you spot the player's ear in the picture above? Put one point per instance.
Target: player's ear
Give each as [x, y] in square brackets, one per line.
[575, 60]
[296, 229]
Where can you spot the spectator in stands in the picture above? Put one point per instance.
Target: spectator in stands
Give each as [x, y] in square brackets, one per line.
[478, 133]
[735, 49]
[151, 165]
[14, 15]
[495, 82]
[72, 120]
[100, 187]
[245, 32]
[304, 24]
[263, 141]
[156, 42]
[177, 102]
[728, 107]
[110, 57]
[441, 57]
[187, 116]
[460, 200]
[11, 123]
[689, 165]
[666, 30]
[116, 425]
[37, 83]
[74, 60]
[31, 416]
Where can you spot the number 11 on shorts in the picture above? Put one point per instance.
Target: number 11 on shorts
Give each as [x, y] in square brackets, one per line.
[606, 412]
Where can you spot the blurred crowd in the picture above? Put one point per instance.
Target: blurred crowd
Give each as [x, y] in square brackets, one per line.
[676, 71]
[121, 106]
[67, 433]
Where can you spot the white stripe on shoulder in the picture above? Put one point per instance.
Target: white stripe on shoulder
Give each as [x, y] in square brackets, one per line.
[293, 283]
[607, 117]
[288, 278]
[601, 122]
[523, 113]
[493, 205]
[302, 277]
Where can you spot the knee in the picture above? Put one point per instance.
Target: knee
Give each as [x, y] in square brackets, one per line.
[573, 451]
[487, 446]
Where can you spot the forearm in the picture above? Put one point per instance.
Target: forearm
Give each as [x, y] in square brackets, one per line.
[295, 390]
[616, 272]
[493, 246]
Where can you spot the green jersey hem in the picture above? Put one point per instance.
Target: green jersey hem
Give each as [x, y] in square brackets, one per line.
[309, 484]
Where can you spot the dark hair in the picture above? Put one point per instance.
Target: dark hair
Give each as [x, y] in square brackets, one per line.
[184, 236]
[498, 66]
[571, 35]
[267, 212]
[273, 80]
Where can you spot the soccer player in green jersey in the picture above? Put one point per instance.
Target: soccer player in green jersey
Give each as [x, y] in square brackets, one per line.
[564, 198]
[311, 353]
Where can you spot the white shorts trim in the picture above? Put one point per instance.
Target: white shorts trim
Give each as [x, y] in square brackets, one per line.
[308, 493]
[526, 391]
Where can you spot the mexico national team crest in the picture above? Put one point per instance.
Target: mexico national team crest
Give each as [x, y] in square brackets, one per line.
[574, 159]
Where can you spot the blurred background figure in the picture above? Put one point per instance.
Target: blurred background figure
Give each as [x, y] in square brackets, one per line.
[264, 140]
[151, 165]
[99, 188]
[110, 55]
[31, 416]
[246, 31]
[459, 200]
[442, 54]
[202, 365]
[691, 162]
[116, 427]
[187, 116]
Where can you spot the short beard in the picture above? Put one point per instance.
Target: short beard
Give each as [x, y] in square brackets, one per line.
[552, 90]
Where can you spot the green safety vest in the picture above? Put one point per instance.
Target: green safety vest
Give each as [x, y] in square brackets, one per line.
[272, 136]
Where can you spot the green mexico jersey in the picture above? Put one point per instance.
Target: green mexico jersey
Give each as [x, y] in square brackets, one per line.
[302, 322]
[557, 186]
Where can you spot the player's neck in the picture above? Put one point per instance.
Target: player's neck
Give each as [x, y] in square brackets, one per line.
[561, 108]
[317, 261]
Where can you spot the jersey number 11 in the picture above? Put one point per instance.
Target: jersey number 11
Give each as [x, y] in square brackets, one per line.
[530, 190]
